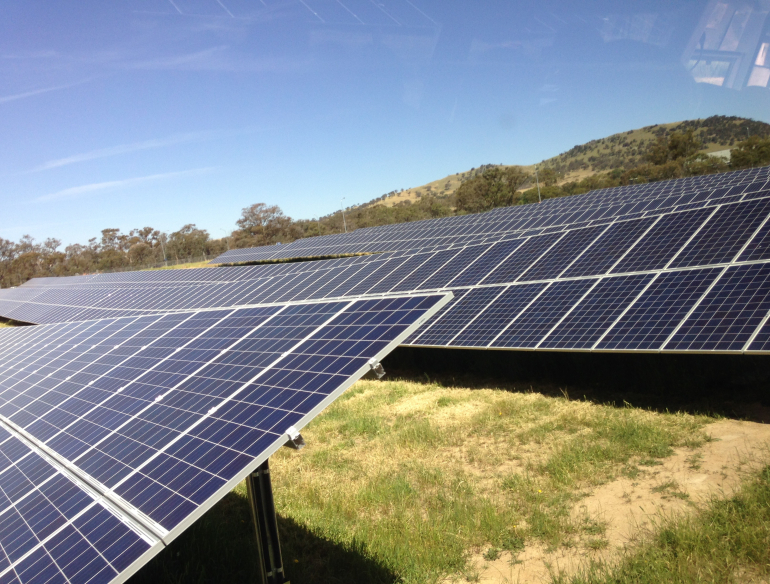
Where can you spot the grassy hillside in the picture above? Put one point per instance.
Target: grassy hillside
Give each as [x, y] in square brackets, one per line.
[624, 150]
[627, 149]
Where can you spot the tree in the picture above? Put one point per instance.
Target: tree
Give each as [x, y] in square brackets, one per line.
[548, 177]
[680, 145]
[264, 225]
[188, 242]
[495, 187]
[754, 151]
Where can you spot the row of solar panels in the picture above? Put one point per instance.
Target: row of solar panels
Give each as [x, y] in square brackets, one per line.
[115, 435]
[607, 203]
[695, 200]
[598, 287]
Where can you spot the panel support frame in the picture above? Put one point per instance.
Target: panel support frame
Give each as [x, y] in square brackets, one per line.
[260, 493]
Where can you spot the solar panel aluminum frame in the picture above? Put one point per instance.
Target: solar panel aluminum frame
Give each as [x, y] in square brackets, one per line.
[155, 535]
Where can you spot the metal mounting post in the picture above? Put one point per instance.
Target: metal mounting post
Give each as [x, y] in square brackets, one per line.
[260, 492]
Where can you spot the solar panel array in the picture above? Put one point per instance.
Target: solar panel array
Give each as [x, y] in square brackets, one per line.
[669, 266]
[116, 434]
[502, 222]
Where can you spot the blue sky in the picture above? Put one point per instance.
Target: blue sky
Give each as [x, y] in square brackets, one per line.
[166, 112]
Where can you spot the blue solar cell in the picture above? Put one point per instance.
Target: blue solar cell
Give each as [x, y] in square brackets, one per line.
[596, 312]
[758, 247]
[412, 339]
[729, 314]
[424, 271]
[762, 340]
[461, 313]
[656, 314]
[496, 316]
[511, 267]
[562, 254]
[663, 241]
[461, 260]
[374, 273]
[724, 234]
[486, 262]
[405, 270]
[608, 248]
[544, 313]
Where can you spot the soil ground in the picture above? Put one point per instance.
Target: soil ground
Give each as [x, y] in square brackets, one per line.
[630, 507]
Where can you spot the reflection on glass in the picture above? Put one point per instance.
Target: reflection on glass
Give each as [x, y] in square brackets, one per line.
[646, 27]
[730, 44]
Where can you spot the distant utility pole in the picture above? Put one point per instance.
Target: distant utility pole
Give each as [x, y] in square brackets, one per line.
[345, 223]
[537, 180]
[163, 248]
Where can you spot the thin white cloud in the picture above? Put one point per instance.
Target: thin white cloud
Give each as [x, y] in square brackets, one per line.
[85, 190]
[8, 98]
[204, 59]
[173, 140]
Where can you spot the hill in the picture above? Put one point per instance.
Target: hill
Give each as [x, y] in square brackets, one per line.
[625, 150]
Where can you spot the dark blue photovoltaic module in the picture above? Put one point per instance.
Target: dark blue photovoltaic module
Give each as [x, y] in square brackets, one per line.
[116, 434]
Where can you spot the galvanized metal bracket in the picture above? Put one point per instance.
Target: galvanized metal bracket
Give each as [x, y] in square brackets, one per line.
[376, 366]
[294, 439]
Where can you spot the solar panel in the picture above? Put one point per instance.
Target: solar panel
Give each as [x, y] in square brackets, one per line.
[608, 248]
[725, 233]
[653, 318]
[665, 238]
[601, 204]
[463, 312]
[511, 267]
[496, 316]
[583, 326]
[115, 435]
[653, 230]
[726, 317]
[563, 253]
[526, 330]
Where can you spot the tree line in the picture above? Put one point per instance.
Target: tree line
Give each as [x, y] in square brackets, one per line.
[671, 156]
[140, 248]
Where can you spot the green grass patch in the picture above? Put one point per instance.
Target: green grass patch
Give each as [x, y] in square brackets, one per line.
[202, 264]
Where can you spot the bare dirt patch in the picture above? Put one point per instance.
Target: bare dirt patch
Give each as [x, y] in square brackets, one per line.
[629, 507]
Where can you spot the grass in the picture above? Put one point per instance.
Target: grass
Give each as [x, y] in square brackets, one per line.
[419, 476]
[727, 541]
[205, 264]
